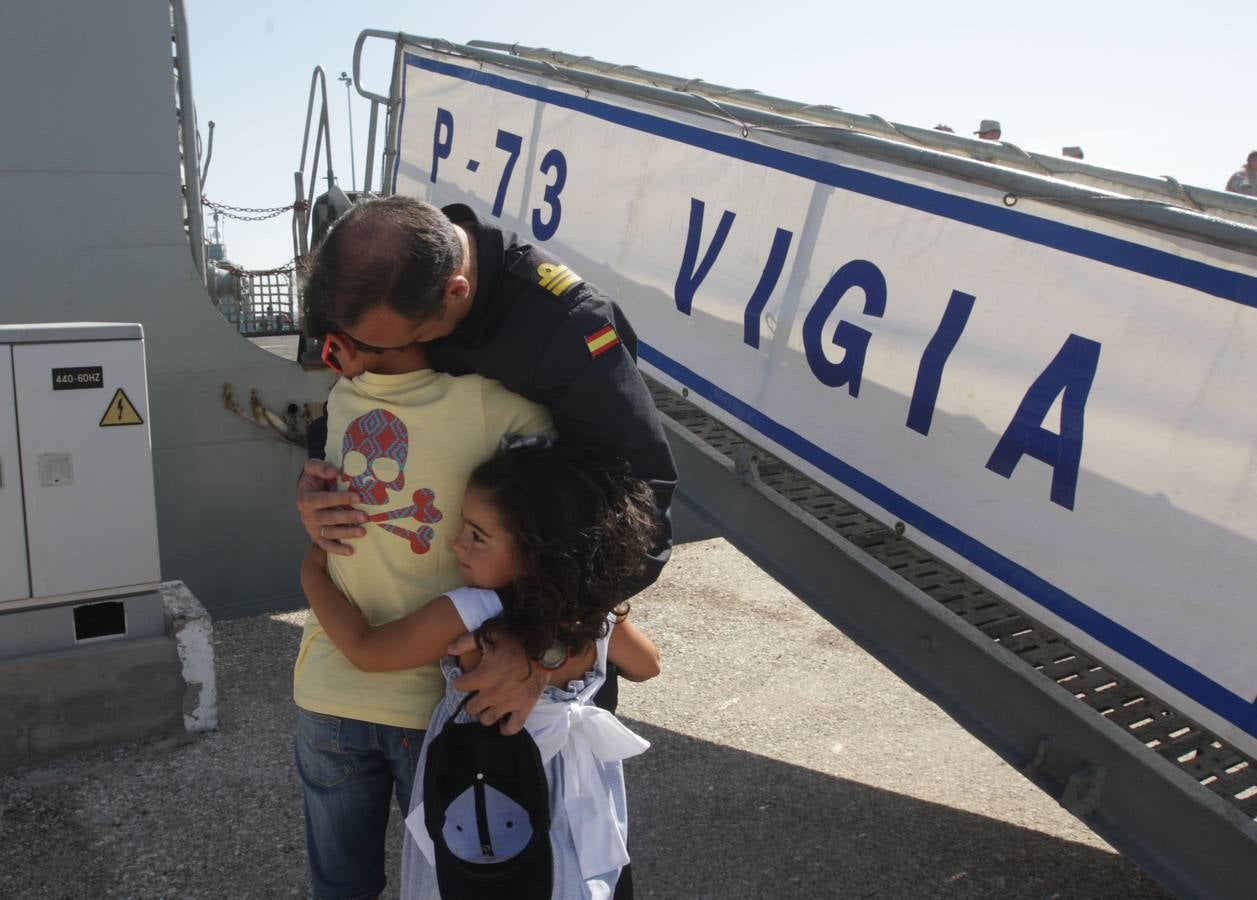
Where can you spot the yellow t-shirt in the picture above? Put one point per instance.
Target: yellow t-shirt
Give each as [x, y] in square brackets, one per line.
[407, 444]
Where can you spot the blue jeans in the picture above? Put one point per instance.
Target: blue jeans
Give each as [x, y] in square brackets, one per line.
[348, 770]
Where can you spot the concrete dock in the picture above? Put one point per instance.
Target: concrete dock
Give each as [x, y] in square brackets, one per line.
[785, 763]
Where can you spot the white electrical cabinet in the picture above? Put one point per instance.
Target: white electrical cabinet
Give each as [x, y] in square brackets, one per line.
[77, 512]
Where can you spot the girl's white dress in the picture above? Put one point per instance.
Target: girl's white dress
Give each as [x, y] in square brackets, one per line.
[581, 748]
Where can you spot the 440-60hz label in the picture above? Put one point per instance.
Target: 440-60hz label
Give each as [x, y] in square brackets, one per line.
[78, 378]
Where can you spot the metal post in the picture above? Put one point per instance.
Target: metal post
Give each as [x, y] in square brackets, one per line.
[348, 82]
[187, 124]
[371, 129]
[209, 154]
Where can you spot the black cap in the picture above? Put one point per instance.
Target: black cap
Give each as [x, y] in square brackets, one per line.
[487, 809]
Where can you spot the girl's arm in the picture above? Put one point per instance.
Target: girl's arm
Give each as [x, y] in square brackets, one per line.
[414, 640]
[634, 654]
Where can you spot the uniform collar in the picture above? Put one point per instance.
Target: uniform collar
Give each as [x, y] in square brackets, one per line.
[490, 251]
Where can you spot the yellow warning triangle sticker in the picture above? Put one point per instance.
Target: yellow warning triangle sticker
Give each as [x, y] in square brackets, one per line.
[121, 411]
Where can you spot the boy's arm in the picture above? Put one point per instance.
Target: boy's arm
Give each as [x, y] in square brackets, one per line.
[634, 654]
[414, 640]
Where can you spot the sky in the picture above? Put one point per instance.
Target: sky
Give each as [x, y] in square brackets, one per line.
[1153, 87]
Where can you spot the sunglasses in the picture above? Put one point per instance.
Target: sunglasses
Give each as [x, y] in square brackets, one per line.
[329, 355]
[340, 339]
[363, 347]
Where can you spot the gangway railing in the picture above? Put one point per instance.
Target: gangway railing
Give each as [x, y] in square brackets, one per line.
[379, 101]
[734, 102]
[306, 181]
[1164, 204]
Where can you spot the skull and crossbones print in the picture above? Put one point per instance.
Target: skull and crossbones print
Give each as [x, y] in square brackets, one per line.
[373, 463]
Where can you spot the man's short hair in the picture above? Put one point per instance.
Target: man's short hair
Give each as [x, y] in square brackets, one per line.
[396, 251]
[1251, 154]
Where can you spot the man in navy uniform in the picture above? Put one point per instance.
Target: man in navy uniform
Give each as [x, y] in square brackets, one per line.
[483, 301]
[400, 271]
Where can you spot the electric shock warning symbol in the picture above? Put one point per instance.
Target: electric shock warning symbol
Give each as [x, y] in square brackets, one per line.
[121, 411]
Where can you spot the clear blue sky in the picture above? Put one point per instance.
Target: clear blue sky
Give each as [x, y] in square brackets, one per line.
[1155, 87]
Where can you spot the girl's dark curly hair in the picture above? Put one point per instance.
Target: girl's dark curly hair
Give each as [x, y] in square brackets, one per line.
[582, 526]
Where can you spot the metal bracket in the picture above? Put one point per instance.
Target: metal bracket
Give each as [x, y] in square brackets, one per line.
[287, 427]
[745, 464]
[1041, 755]
[1082, 791]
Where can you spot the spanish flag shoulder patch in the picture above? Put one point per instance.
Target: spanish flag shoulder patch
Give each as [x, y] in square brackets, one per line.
[602, 340]
[556, 278]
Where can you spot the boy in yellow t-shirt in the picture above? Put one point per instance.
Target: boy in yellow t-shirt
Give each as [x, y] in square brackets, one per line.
[405, 438]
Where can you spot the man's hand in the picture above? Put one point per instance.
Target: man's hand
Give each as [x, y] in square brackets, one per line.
[324, 513]
[506, 682]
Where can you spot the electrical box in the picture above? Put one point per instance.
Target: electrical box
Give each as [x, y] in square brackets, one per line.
[93, 648]
[78, 519]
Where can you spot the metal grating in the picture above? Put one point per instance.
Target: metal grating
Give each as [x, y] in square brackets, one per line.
[262, 303]
[269, 307]
[1196, 751]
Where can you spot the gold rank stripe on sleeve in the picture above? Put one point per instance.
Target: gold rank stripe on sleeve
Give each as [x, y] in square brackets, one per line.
[602, 340]
[557, 278]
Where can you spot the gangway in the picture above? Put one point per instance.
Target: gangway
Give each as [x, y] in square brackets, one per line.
[1167, 793]
[641, 181]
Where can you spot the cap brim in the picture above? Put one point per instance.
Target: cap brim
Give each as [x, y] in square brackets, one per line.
[528, 876]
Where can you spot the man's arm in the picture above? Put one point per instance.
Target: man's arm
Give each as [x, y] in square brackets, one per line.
[598, 397]
[507, 683]
[316, 438]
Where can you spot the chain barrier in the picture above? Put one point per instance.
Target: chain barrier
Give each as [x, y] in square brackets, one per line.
[255, 214]
[283, 269]
[252, 213]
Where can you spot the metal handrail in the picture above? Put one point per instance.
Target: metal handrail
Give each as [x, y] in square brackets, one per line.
[983, 162]
[1003, 152]
[305, 200]
[390, 103]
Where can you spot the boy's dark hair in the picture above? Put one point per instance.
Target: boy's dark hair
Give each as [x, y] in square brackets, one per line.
[582, 526]
[396, 251]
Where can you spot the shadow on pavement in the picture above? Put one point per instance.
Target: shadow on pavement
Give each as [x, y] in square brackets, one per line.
[221, 816]
[708, 821]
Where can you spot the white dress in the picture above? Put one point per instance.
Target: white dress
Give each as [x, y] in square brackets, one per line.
[581, 748]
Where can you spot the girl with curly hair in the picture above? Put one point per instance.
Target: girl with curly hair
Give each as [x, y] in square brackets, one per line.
[552, 541]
